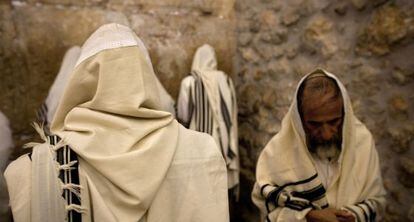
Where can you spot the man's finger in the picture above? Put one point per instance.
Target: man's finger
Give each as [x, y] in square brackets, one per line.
[343, 213]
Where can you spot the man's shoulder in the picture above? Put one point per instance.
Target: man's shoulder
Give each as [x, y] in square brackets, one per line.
[16, 167]
[187, 81]
[362, 133]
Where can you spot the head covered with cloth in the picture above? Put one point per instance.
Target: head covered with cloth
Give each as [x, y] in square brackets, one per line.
[322, 160]
[136, 162]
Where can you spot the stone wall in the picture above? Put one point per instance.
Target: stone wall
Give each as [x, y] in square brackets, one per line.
[265, 45]
[368, 44]
[34, 35]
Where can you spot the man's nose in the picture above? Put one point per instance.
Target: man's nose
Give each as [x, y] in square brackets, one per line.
[327, 132]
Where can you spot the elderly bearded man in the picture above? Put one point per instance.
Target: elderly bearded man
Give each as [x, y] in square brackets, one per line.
[322, 165]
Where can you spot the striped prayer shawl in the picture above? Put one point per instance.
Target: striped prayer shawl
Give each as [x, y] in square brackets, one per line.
[202, 110]
[364, 211]
[298, 195]
[69, 176]
[203, 113]
[286, 176]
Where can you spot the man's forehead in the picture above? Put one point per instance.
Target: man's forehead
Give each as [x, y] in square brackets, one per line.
[319, 98]
[319, 108]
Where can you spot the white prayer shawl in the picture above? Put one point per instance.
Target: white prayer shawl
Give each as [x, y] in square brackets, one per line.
[34, 188]
[48, 109]
[6, 139]
[6, 145]
[135, 163]
[288, 183]
[207, 103]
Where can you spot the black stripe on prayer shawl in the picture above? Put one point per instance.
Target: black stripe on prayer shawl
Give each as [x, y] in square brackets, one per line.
[358, 219]
[203, 108]
[273, 196]
[301, 181]
[198, 101]
[201, 123]
[312, 195]
[270, 198]
[297, 204]
[204, 121]
[372, 212]
[209, 115]
[41, 114]
[199, 105]
[225, 113]
[64, 156]
[262, 188]
[203, 112]
[196, 107]
[325, 206]
[227, 121]
[363, 211]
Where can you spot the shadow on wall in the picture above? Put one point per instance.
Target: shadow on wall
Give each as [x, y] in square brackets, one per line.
[244, 210]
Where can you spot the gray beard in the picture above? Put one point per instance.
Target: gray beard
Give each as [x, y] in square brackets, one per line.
[328, 151]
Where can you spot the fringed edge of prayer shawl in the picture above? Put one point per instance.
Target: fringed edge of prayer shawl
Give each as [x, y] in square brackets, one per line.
[298, 196]
[66, 167]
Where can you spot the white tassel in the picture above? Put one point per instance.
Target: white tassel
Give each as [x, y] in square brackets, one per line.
[59, 145]
[76, 208]
[68, 166]
[31, 144]
[40, 131]
[74, 188]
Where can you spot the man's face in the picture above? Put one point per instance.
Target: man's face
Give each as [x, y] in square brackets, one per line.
[322, 120]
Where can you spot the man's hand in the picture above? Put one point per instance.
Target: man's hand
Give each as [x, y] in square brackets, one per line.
[324, 215]
[345, 216]
[329, 215]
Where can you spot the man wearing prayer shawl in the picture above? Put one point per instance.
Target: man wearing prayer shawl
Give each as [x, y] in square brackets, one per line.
[207, 103]
[322, 165]
[6, 146]
[115, 155]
